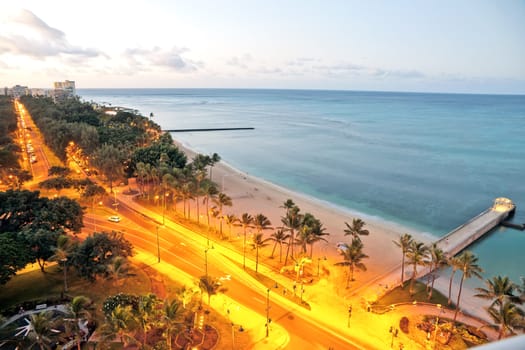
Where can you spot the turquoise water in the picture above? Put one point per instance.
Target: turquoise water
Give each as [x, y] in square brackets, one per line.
[426, 161]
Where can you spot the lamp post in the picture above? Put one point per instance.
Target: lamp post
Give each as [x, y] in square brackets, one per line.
[158, 246]
[318, 263]
[64, 261]
[349, 315]
[268, 312]
[436, 324]
[394, 332]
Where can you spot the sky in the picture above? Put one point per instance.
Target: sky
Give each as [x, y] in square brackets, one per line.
[457, 46]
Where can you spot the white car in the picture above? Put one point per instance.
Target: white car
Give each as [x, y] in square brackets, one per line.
[341, 246]
[114, 218]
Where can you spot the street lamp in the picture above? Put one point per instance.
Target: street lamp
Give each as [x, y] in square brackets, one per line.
[349, 315]
[268, 320]
[164, 205]
[115, 204]
[318, 262]
[437, 324]
[394, 332]
[158, 246]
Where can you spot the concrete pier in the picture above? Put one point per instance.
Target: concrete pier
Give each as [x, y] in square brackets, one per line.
[451, 244]
[463, 236]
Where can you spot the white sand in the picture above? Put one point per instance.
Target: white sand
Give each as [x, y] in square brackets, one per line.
[253, 195]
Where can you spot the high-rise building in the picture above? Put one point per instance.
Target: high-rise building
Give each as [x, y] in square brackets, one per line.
[64, 89]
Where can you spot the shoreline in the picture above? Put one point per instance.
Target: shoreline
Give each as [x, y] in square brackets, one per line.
[255, 195]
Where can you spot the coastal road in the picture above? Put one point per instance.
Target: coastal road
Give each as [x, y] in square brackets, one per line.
[189, 256]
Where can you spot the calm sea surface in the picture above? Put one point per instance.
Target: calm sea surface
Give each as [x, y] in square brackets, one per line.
[426, 161]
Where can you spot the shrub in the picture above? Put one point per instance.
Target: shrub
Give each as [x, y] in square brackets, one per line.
[403, 324]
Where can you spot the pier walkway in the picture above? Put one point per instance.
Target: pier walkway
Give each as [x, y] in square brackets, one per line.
[464, 235]
[451, 244]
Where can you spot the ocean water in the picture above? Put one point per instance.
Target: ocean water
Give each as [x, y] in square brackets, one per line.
[426, 161]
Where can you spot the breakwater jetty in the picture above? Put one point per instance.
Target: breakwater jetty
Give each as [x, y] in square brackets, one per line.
[207, 129]
[463, 236]
[452, 243]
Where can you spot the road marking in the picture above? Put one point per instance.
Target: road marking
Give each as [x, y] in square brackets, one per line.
[258, 300]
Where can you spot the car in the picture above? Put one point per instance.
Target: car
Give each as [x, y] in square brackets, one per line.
[114, 218]
[341, 246]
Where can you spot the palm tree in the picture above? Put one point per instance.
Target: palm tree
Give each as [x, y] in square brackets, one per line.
[172, 319]
[279, 237]
[209, 191]
[61, 254]
[316, 235]
[117, 269]
[438, 259]
[209, 285]
[353, 256]
[453, 262]
[245, 222]
[261, 222]
[39, 330]
[417, 252]
[146, 313]
[215, 158]
[469, 267]
[230, 219]
[120, 323]
[222, 200]
[79, 313]
[199, 177]
[292, 222]
[141, 172]
[301, 238]
[356, 230]
[403, 242]
[498, 290]
[288, 204]
[258, 242]
[508, 316]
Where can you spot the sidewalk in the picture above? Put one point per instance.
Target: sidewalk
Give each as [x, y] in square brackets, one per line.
[251, 322]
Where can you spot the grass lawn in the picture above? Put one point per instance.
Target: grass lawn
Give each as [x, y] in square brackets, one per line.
[41, 287]
[402, 295]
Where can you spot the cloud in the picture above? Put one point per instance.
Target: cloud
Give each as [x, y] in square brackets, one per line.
[24, 33]
[406, 74]
[146, 59]
[240, 62]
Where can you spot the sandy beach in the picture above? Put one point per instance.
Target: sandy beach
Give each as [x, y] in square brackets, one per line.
[254, 195]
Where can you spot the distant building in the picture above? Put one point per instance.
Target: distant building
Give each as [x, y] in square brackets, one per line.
[18, 90]
[64, 89]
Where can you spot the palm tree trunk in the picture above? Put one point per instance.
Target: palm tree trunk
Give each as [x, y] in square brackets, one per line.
[414, 275]
[403, 270]
[244, 250]
[198, 211]
[256, 259]
[431, 287]
[288, 248]
[450, 287]
[459, 296]
[273, 250]
[280, 252]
